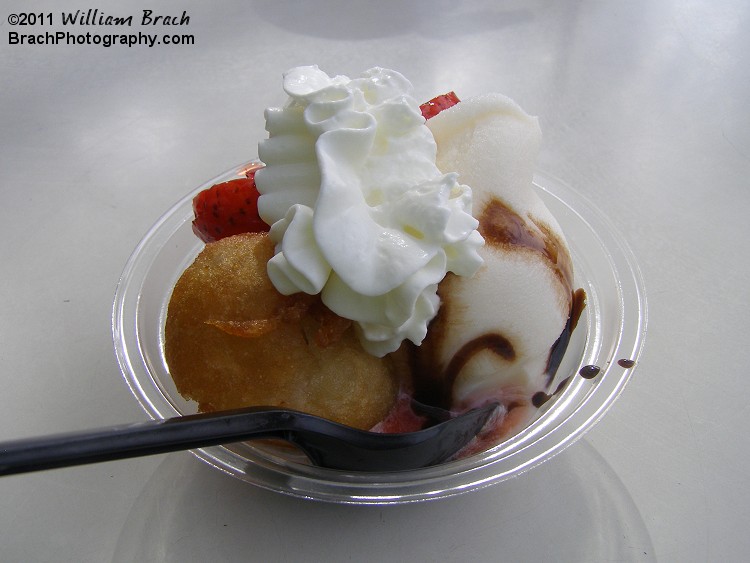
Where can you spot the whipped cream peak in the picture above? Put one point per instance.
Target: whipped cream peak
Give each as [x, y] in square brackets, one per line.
[358, 209]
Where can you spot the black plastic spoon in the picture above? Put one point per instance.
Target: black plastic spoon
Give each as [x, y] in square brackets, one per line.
[326, 443]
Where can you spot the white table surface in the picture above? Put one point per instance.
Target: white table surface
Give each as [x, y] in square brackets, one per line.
[644, 106]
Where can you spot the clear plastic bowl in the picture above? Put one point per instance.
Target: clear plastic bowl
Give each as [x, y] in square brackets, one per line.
[612, 328]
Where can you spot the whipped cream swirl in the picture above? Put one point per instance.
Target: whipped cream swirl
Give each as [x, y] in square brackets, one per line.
[359, 212]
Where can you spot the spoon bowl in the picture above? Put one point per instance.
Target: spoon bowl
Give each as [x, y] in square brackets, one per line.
[326, 443]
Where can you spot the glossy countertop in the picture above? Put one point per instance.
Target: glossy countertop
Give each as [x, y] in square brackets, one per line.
[644, 111]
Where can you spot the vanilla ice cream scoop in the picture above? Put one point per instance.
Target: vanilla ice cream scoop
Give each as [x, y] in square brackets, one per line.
[494, 334]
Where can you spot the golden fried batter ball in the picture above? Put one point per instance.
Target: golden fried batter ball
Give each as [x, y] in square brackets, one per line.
[232, 340]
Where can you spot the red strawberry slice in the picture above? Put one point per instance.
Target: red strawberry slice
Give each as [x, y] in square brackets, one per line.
[438, 104]
[227, 209]
[402, 417]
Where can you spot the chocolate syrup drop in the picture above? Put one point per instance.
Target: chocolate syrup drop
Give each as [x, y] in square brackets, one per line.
[539, 398]
[626, 363]
[589, 372]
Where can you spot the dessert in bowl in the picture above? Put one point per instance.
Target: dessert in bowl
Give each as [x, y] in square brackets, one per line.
[427, 300]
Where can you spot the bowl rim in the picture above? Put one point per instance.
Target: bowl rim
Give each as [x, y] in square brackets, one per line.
[576, 410]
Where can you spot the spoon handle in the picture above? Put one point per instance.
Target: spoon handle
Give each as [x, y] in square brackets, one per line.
[143, 438]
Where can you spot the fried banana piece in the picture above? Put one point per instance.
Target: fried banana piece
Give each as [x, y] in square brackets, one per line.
[231, 340]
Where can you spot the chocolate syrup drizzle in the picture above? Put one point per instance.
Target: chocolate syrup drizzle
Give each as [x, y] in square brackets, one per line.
[577, 305]
[504, 228]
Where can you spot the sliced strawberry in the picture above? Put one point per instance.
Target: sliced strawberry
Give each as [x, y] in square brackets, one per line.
[402, 417]
[227, 209]
[438, 104]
